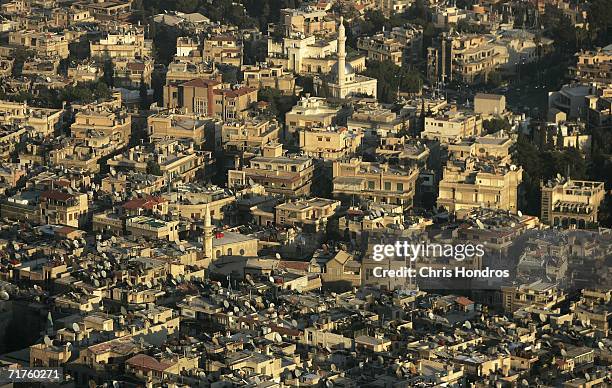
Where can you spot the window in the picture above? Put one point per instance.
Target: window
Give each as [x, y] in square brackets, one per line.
[387, 185]
[242, 252]
[371, 185]
[400, 187]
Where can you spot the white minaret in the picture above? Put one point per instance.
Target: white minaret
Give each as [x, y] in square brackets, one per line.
[341, 55]
[208, 234]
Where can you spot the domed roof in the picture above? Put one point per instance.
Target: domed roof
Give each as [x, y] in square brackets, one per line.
[348, 69]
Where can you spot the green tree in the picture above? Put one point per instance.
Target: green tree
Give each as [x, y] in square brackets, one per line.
[153, 168]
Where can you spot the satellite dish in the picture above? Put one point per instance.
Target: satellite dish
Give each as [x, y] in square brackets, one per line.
[294, 323]
[480, 224]
[467, 325]
[520, 213]
[247, 304]
[278, 338]
[48, 341]
[601, 345]
[181, 248]
[271, 279]
[297, 373]
[543, 318]
[103, 273]
[76, 328]
[563, 352]
[96, 283]
[4, 295]
[278, 256]
[329, 384]
[525, 383]
[226, 304]
[587, 377]
[430, 315]
[69, 346]
[123, 310]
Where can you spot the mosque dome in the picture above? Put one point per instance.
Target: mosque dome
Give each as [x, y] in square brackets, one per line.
[348, 70]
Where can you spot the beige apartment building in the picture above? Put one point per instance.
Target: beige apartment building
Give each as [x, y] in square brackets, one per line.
[240, 136]
[170, 125]
[307, 21]
[58, 207]
[225, 49]
[103, 118]
[45, 44]
[571, 203]
[465, 58]
[595, 66]
[44, 121]
[329, 143]
[401, 45]
[85, 72]
[452, 125]
[143, 226]
[124, 42]
[473, 184]
[355, 179]
[539, 295]
[130, 73]
[208, 98]
[269, 76]
[286, 175]
[311, 214]
[489, 104]
[184, 70]
[309, 112]
[376, 120]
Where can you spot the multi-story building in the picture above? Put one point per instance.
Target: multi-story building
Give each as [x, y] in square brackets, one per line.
[376, 120]
[152, 228]
[182, 70]
[571, 203]
[208, 98]
[309, 112]
[63, 208]
[104, 118]
[479, 175]
[264, 76]
[393, 7]
[464, 58]
[375, 182]
[124, 42]
[225, 49]
[401, 45]
[131, 73]
[44, 121]
[250, 134]
[539, 294]
[306, 20]
[329, 143]
[171, 125]
[594, 66]
[45, 44]
[287, 175]
[452, 125]
[310, 213]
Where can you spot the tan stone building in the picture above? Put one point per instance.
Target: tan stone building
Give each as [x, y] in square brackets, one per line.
[63, 208]
[310, 112]
[225, 49]
[208, 98]
[126, 41]
[465, 58]
[44, 121]
[401, 45]
[571, 203]
[489, 104]
[170, 125]
[274, 77]
[452, 125]
[329, 143]
[152, 228]
[45, 44]
[595, 66]
[250, 134]
[287, 175]
[311, 214]
[105, 118]
[376, 182]
[472, 184]
[539, 294]
[306, 21]
[130, 73]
